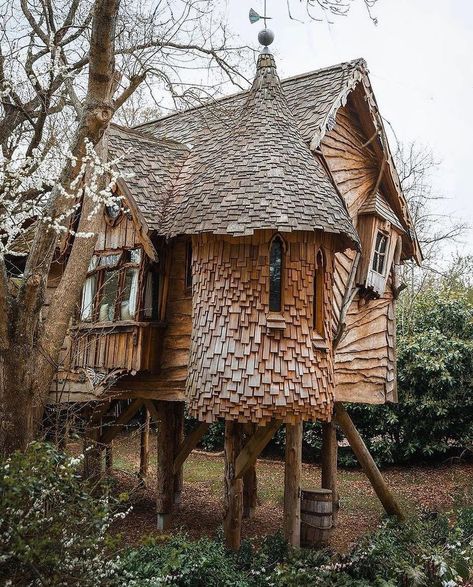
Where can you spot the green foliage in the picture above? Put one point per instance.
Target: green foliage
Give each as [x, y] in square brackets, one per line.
[423, 552]
[52, 531]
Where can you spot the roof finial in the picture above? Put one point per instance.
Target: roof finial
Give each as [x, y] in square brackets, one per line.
[266, 36]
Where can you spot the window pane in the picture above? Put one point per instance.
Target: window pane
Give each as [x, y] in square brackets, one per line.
[135, 256]
[109, 296]
[379, 254]
[109, 260]
[130, 293]
[88, 293]
[151, 296]
[275, 271]
[189, 265]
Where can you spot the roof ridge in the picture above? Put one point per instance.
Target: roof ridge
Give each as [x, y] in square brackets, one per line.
[360, 61]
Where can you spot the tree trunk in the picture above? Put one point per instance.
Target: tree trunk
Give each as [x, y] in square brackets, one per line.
[29, 347]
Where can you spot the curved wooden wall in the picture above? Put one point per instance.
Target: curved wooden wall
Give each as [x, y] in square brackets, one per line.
[240, 368]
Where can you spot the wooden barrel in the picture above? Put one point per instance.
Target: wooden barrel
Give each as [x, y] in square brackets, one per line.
[316, 517]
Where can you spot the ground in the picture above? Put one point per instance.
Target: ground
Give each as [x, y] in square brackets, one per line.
[433, 488]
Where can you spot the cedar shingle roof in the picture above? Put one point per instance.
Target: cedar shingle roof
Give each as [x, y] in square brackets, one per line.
[153, 165]
[258, 174]
[377, 204]
[313, 98]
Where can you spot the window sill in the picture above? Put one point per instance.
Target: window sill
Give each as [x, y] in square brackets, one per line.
[275, 321]
[118, 324]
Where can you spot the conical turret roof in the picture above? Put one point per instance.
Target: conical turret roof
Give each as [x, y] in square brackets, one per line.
[258, 173]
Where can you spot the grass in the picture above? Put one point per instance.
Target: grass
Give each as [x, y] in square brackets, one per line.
[436, 488]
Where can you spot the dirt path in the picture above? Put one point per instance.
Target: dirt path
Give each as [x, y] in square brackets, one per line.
[433, 488]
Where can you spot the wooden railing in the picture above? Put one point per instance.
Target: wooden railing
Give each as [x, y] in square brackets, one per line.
[134, 346]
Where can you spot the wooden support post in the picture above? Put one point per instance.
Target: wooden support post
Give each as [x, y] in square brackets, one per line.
[367, 463]
[109, 458]
[250, 482]
[165, 463]
[189, 443]
[292, 483]
[178, 439]
[144, 445]
[123, 419]
[329, 464]
[252, 449]
[233, 486]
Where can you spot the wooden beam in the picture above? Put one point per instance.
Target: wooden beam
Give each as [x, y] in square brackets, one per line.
[149, 403]
[179, 408]
[252, 449]
[144, 445]
[250, 482]
[292, 484]
[367, 463]
[165, 461]
[122, 419]
[329, 464]
[188, 444]
[233, 486]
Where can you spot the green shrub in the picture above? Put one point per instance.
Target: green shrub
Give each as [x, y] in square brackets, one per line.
[52, 531]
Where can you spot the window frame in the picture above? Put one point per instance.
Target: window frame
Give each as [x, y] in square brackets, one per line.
[377, 255]
[277, 238]
[122, 264]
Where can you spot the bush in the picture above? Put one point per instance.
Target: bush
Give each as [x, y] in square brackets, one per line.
[52, 531]
[426, 551]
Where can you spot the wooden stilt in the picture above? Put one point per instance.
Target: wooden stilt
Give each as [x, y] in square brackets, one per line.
[329, 464]
[292, 482]
[93, 453]
[144, 445]
[367, 463]
[165, 462]
[178, 439]
[109, 458]
[233, 486]
[250, 495]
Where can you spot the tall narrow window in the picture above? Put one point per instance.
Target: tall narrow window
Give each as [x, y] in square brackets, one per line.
[318, 306]
[276, 253]
[189, 265]
[379, 255]
[152, 296]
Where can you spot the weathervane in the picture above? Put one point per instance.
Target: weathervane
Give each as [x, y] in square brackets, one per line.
[266, 36]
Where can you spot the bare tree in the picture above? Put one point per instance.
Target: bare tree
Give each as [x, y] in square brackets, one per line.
[65, 69]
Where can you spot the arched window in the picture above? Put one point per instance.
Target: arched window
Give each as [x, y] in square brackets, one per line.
[318, 306]
[276, 253]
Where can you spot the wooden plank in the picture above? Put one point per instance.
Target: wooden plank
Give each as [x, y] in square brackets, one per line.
[292, 484]
[252, 449]
[188, 445]
[367, 463]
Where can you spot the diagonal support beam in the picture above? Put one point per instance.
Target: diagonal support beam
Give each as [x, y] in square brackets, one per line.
[252, 449]
[122, 419]
[367, 463]
[190, 442]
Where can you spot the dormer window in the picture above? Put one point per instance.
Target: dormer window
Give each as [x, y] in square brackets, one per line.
[276, 253]
[379, 253]
[111, 289]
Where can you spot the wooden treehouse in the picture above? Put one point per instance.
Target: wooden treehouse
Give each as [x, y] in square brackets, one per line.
[252, 278]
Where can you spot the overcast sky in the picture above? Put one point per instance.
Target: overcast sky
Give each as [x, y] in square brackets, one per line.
[420, 58]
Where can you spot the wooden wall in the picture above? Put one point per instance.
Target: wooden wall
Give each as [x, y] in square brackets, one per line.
[245, 364]
[365, 357]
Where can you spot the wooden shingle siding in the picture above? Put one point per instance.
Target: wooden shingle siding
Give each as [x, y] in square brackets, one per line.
[365, 356]
[239, 367]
